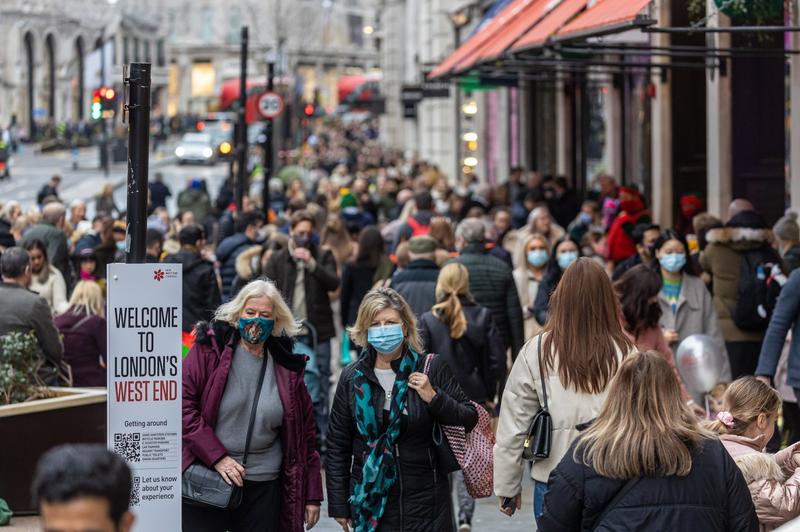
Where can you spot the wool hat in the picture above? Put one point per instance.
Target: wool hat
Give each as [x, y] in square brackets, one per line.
[421, 244]
[787, 228]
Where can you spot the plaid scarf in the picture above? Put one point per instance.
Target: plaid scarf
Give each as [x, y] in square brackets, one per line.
[380, 470]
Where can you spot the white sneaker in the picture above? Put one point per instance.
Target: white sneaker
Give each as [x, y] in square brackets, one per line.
[464, 527]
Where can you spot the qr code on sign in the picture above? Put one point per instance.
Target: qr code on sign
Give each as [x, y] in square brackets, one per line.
[135, 492]
[128, 445]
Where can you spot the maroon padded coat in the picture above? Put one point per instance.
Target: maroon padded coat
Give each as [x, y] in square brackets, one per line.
[205, 372]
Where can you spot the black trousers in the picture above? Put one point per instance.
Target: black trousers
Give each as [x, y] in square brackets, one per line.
[743, 357]
[791, 421]
[259, 512]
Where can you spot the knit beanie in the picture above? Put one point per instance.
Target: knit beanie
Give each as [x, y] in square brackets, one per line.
[786, 229]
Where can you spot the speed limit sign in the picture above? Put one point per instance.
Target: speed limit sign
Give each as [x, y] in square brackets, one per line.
[270, 104]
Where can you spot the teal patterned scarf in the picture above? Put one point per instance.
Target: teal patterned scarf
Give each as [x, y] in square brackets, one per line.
[379, 472]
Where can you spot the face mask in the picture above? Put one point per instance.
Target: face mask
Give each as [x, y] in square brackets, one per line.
[537, 257]
[255, 330]
[586, 218]
[565, 258]
[674, 262]
[121, 246]
[302, 241]
[385, 339]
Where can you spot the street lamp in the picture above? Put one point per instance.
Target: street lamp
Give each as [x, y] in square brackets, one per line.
[368, 30]
[470, 108]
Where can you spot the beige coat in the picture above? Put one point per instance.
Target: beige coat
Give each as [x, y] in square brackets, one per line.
[773, 480]
[523, 282]
[53, 290]
[521, 400]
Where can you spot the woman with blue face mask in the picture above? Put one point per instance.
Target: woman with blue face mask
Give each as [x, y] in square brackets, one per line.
[565, 252]
[383, 468]
[687, 307]
[528, 274]
[242, 365]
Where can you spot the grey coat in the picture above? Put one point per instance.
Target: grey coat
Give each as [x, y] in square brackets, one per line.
[23, 311]
[786, 316]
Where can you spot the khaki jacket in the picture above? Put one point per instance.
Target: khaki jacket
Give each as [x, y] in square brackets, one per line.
[521, 401]
[773, 480]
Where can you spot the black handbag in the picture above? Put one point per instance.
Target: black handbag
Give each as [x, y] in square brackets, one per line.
[446, 461]
[203, 486]
[537, 441]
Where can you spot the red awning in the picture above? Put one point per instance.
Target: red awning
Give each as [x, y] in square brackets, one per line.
[498, 43]
[605, 16]
[549, 25]
[497, 24]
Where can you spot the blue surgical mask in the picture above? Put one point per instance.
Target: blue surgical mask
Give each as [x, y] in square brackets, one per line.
[586, 218]
[255, 330]
[674, 262]
[386, 338]
[537, 257]
[565, 258]
[121, 245]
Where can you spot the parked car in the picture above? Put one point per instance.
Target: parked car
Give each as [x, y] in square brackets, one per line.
[196, 148]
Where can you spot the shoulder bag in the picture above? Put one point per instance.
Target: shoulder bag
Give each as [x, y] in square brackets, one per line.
[204, 486]
[537, 441]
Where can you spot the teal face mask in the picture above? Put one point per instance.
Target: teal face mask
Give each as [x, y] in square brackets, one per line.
[385, 339]
[255, 330]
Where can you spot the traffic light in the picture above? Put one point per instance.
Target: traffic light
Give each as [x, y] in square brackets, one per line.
[309, 109]
[97, 105]
[108, 101]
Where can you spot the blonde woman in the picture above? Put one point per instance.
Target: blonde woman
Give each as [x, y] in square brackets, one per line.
[645, 464]
[83, 327]
[281, 480]
[463, 334]
[383, 470]
[530, 266]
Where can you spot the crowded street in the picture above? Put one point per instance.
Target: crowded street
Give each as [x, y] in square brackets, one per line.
[486, 266]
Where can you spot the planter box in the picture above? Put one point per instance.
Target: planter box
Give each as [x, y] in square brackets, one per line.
[27, 430]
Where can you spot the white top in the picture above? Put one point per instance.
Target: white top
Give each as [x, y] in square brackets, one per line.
[386, 377]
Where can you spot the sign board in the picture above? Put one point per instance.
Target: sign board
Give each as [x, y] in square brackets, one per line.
[145, 387]
[270, 105]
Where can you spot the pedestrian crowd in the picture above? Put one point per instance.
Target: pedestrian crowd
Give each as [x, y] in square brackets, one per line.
[309, 328]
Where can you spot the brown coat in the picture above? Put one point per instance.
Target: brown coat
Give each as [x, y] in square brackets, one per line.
[773, 480]
[722, 259]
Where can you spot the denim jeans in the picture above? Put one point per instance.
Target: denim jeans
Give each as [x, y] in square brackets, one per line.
[322, 403]
[539, 489]
[466, 504]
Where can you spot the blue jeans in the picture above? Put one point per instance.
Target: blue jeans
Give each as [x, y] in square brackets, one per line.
[539, 489]
[322, 403]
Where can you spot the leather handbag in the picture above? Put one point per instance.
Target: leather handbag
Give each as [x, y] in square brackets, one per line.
[537, 441]
[204, 486]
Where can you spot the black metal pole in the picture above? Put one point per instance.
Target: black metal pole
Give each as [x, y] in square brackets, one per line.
[103, 121]
[269, 130]
[138, 109]
[241, 148]
[457, 102]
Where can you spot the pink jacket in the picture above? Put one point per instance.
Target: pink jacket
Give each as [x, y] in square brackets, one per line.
[773, 480]
[653, 339]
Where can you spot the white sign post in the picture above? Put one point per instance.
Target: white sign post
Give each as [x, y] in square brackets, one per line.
[270, 105]
[144, 387]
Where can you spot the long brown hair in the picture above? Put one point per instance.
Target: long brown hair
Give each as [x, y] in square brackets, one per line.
[453, 282]
[644, 428]
[583, 329]
[747, 398]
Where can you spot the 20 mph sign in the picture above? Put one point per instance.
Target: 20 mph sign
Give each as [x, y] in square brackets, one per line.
[270, 105]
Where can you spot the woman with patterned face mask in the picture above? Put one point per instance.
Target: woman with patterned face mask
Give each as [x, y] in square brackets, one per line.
[383, 470]
[222, 380]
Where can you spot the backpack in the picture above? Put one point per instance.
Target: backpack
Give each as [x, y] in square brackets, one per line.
[417, 229]
[759, 287]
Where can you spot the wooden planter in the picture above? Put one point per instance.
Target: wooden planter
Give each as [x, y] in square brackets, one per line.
[27, 430]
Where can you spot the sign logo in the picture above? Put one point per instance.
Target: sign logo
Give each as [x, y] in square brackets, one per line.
[158, 275]
[270, 105]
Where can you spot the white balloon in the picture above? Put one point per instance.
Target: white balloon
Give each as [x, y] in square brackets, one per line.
[700, 361]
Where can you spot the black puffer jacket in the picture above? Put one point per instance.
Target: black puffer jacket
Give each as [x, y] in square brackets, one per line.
[417, 285]
[492, 285]
[282, 269]
[712, 497]
[420, 501]
[201, 295]
[227, 252]
[477, 359]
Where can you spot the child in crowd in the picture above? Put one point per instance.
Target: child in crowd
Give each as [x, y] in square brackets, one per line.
[745, 427]
[716, 399]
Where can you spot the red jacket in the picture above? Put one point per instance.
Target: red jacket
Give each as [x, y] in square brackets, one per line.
[205, 372]
[620, 241]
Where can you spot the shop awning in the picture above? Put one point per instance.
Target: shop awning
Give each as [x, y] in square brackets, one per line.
[490, 29]
[549, 25]
[604, 17]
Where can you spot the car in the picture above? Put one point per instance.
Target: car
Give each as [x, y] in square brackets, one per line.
[196, 148]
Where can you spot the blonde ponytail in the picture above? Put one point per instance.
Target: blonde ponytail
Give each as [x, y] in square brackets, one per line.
[745, 399]
[453, 283]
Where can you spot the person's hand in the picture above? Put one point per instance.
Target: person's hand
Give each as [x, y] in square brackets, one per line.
[419, 381]
[231, 471]
[301, 254]
[516, 504]
[345, 523]
[311, 516]
[764, 379]
[671, 336]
